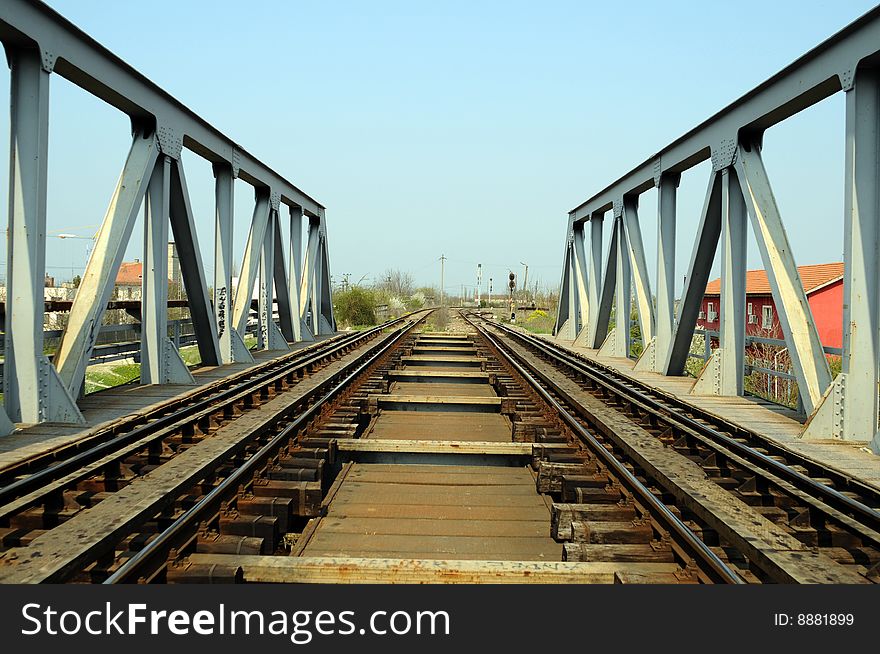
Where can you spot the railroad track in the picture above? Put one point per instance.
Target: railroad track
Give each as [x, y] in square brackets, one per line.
[477, 454]
[153, 464]
[820, 508]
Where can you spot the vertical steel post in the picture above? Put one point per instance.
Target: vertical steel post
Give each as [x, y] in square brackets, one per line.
[32, 390]
[733, 284]
[224, 188]
[861, 285]
[623, 293]
[154, 276]
[665, 317]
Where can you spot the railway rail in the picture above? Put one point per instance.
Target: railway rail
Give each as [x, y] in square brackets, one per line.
[475, 454]
[819, 506]
[45, 493]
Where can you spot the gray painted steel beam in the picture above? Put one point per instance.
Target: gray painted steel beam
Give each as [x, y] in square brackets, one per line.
[666, 218]
[599, 328]
[32, 391]
[301, 331]
[594, 277]
[80, 59]
[623, 293]
[286, 316]
[99, 277]
[861, 282]
[326, 319]
[271, 338]
[702, 256]
[639, 267]
[160, 361]
[251, 262]
[818, 74]
[793, 308]
[580, 274]
[732, 330]
[563, 306]
[224, 189]
[191, 270]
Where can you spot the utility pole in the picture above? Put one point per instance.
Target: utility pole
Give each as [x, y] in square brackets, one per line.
[525, 284]
[490, 292]
[442, 276]
[479, 282]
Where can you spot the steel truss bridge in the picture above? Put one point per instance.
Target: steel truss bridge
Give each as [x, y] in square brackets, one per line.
[39, 43]
[740, 192]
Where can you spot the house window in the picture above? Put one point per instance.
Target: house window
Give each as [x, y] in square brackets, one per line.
[767, 317]
[710, 310]
[750, 308]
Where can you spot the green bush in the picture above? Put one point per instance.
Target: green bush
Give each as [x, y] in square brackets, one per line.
[355, 307]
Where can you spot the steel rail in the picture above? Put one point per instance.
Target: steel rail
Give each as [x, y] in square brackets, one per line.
[111, 444]
[830, 496]
[182, 529]
[696, 549]
[47, 457]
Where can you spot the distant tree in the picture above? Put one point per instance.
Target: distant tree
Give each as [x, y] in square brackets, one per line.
[76, 281]
[356, 306]
[397, 282]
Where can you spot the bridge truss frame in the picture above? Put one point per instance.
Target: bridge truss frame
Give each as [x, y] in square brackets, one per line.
[739, 192]
[39, 43]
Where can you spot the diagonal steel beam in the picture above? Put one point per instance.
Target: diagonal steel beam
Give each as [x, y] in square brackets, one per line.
[282, 292]
[793, 308]
[599, 326]
[580, 271]
[639, 267]
[99, 278]
[702, 256]
[191, 268]
[250, 264]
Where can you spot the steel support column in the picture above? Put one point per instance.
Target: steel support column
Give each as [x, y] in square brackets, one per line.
[160, 361]
[232, 347]
[665, 318]
[99, 278]
[32, 390]
[801, 336]
[732, 329]
[623, 293]
[850, 407]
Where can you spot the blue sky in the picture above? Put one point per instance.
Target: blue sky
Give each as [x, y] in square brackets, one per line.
[464, 128]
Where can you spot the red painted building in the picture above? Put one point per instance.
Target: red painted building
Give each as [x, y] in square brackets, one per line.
[822, 283]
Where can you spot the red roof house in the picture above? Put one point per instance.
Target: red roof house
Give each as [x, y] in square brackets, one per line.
[823, 284]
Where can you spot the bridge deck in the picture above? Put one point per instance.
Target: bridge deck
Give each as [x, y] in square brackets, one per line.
[105, 407]
[457, 512]
[771, 420]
